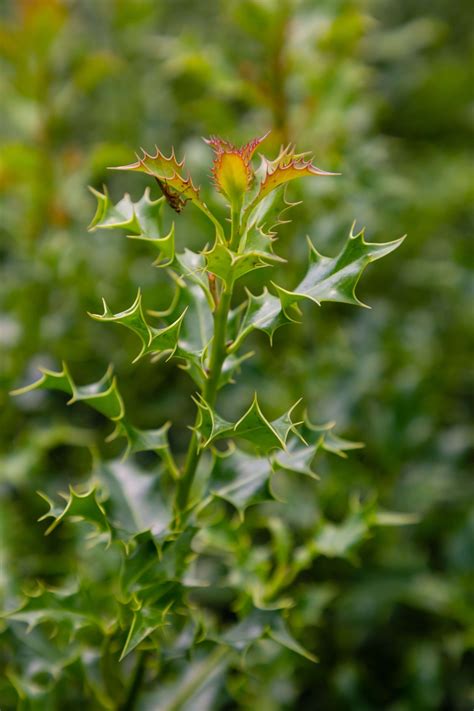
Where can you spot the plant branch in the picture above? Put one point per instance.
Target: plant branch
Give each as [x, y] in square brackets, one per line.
[211, 386]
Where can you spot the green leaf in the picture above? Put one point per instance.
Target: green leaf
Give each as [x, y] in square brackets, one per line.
[198, 326]
[154, 564]
[230, 267]
[262, 313]
[279, 633]
[79, 507]
[169, 172]
[153, 340]
[141, 440]
[191, 266]
[122, 502]
[142, 220]
[139, 218]
[253, 427]
[145, 622]
[133, 498]
[297, 458]
[323, 437]
[264, 221]
[327, 279]
[258, 625]
[340, 540]
[103, 395]
[241, 479]
[69, 607]
[335, 278]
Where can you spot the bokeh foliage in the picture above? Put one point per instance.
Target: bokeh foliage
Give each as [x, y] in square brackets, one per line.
[380, 91]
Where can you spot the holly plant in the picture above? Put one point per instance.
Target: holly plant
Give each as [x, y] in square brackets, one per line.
[185, 589]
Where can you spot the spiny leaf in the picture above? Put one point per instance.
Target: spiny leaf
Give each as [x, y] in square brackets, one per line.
[253, 427]
[140, 218]
[177, 188]
[335, 278]
[297, 458]
[145, 622]
[262, 313]
[103, 395]
[133, 498]
[169, 173]
[341, 540]
[80, 507]
[153, 567]
[258, 625]
[327, 279]
[141, 440]
[142, 221]
[69, 607]
[323, 437]
[154, 340]
[230, 267]
[232, 170]
[241, 479]
[287, 166]
[198, 326]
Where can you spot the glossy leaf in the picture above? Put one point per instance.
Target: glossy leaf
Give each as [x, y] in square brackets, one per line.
[230, 267]
[169, 173]
[154, 340]
[103, 395]
[253, 427]
[260, 624]
[287, 166]
[141, 220]
[335, 278]
[80, 507]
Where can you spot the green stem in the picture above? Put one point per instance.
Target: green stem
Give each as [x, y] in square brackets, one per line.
[169, 462]
[211, 386]
[235, 228]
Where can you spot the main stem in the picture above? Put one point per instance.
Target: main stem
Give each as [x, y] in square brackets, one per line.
[211, 386]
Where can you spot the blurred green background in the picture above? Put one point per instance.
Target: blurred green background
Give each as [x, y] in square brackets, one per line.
[380, 91]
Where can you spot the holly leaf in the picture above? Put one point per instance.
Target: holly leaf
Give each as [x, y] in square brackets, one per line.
[177, 187]
[153, 340]
[265, 218]
[336, 278]
[70, 608]
[196, 686]
[262, 313]
[191, 266]
[142, 220]
[287, 166]
[297, 458]
[141, 440]
[242, 480]
[253, 427]
[230, 267]
[327, 279]
[323, 437]
[145, 621]
[133, 498]
[80, 507]
[261, 624]
[103, 395]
